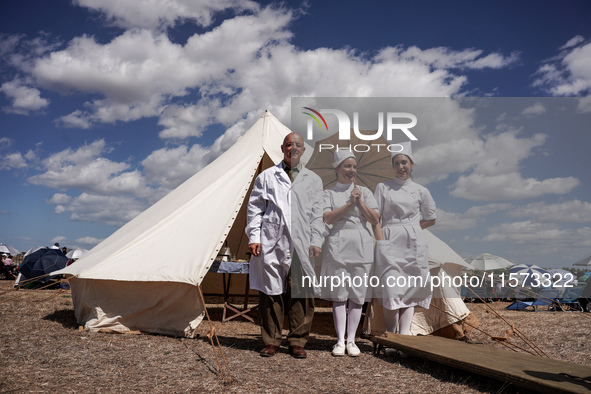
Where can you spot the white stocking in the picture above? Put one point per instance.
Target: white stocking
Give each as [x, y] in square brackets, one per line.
[339, 314]
[391, 319]
[353, 320]
[406, 320]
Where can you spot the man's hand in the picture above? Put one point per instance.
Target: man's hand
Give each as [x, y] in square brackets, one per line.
[315, 251]
[255, 249]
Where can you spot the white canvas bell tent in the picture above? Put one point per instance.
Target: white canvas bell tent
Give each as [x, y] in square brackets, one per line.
[145, 276]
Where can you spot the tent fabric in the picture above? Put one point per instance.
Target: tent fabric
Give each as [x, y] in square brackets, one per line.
[443, 261]
[191, 224]
[122, 306]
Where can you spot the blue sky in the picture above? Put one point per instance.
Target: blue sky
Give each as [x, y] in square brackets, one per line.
[106, 106]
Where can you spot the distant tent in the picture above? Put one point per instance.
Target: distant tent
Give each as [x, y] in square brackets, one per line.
[40, 261]
[145, 276]
[448, 313]
[584, 262]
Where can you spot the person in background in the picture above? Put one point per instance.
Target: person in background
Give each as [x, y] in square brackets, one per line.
[6, 266]
[349, 248]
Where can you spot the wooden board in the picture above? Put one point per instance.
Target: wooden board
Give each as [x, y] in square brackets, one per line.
[521, 369]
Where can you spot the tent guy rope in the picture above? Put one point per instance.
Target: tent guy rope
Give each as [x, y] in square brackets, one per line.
[210, 335]
[524, 338]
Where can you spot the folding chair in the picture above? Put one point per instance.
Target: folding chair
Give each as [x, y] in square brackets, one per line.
[571, 299]
[546, 298]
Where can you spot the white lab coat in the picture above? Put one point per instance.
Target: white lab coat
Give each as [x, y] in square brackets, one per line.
[282, 216]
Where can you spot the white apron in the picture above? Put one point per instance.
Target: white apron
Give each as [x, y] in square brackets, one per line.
[402, 258]
[349, 248]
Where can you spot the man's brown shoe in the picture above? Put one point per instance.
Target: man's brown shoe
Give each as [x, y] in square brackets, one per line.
[269, 351]
[297, 352]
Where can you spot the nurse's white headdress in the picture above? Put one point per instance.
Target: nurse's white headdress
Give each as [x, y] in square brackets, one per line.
[402, 148]
[340, 156]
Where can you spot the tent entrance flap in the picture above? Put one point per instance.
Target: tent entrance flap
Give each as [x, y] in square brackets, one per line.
[237, 241]
[236, 238]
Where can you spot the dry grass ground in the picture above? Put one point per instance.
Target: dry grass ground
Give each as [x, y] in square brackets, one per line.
[42, 350]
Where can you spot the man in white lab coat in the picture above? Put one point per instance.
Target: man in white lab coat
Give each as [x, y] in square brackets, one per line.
[285, 231]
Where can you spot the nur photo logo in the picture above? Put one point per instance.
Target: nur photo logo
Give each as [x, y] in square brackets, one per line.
[392, 120]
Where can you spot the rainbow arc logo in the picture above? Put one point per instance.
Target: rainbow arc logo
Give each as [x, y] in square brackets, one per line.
[315, 118]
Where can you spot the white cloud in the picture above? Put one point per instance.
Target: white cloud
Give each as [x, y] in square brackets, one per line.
[242, 65]
[504, 151]
[59, 198]
[171, 167]
[584, 105]
[182, 121]
[497, 177]
[110, 210]
[540, 234]
[76, 119]
[86, 170]
[91, 241]
[454, 221]
[574, 211]
[24, 99]
[139, 71]
[576, 40]
[485, 210]
[445, 58]
[58, 239]
[535, 109]
[133, 73]
[9, 43]
[5, 142]
[155, 14]
[568, 74]
[469, 219]
[511, 186]
[108, 197]
[31, 156]
[13, 161]
[20, 52]
[111, 193]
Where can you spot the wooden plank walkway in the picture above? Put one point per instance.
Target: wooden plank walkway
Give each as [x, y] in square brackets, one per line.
[521, 369]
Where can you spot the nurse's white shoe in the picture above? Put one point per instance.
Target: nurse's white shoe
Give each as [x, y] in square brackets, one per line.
[338, 350]
[352, 349]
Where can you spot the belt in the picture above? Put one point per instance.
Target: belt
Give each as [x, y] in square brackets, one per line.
[409, 223]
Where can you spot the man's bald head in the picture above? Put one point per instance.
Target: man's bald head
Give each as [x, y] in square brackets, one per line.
[293, 148]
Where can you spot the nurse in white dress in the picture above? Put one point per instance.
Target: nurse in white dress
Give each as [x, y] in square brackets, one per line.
[406, 208]
[349, 249]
